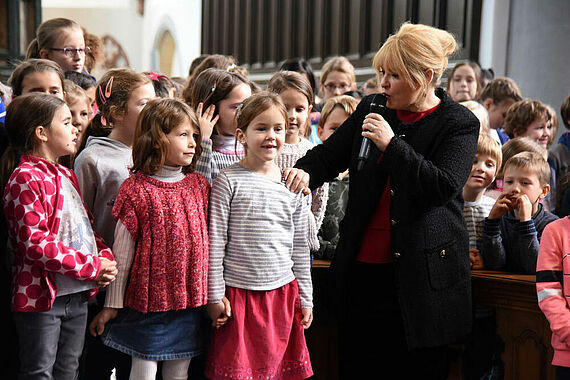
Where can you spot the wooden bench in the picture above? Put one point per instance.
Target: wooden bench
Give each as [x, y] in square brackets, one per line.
[520, 323]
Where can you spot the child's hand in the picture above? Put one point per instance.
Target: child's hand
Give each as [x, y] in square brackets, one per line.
[307, 318]
[97, 325]
[503, 205]
[219, 312]
[523, 208]
[206, 120]
[475, 259]
[107, 272]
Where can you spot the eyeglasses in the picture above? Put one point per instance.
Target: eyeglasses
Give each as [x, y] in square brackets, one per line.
[70, 52]
[333, 87]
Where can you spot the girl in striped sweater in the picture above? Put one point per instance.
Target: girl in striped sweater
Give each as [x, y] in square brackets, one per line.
[553, 288]
[259, 285]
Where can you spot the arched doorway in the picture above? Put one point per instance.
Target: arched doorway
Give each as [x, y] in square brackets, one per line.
[166, 47]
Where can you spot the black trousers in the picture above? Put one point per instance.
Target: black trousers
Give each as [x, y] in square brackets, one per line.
[372, 343]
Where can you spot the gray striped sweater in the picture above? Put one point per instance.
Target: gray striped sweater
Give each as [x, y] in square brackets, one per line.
[258, 235]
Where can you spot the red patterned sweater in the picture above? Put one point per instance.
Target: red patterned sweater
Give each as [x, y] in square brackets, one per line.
[33, 206]
[168, 222]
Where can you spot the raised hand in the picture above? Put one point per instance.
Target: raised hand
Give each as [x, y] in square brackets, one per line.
[206, 119]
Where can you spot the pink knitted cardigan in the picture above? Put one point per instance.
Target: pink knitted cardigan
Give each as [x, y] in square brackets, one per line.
[168, 222]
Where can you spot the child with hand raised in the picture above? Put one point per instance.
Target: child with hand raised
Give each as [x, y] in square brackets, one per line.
[215, 96]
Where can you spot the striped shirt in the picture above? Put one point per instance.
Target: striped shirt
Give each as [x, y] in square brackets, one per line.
[474, 214]
[258, 235]
[212, 161]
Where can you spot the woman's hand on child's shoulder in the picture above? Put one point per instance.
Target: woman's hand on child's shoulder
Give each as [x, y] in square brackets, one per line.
[297, 180]
[206, 119]
[97, 325]
[307, 318]
[219, 312]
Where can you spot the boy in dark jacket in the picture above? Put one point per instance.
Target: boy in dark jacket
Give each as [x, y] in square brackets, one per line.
[511, 233]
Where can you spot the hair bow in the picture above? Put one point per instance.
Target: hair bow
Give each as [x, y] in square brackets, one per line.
[155, 76]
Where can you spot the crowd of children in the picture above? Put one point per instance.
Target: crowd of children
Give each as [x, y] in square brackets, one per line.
[135, 206]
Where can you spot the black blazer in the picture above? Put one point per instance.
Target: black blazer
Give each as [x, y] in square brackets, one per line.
[428, 163]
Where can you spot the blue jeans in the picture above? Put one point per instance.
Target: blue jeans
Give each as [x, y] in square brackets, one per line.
[51, 342]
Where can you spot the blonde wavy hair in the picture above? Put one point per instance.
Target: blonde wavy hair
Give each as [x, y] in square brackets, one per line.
[414, 50]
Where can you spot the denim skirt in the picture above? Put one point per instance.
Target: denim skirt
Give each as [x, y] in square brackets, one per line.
[169, 335]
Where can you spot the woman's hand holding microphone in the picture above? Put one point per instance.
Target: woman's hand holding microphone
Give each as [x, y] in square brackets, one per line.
[377, 129]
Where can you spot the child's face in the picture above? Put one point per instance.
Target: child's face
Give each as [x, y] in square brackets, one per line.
[80, 112]
[518, 181]
[182, 144]
[482, 173]
[369, 90]
[497, 112]
[227, 124]
[91, 94]
[334, 120]
[540, 130]
[298, 110]
[337, 83]
[47, 82]
[60, 138]
[68, 38]
[463, 84]
[137, 100]
[264, 136]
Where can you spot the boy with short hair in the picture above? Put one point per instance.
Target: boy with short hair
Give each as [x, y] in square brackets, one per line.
[511, 232]
[336, 110]
[477, 205]
[497, 96]
[530, 118]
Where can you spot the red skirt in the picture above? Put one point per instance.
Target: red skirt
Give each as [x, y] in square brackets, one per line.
[263, 339]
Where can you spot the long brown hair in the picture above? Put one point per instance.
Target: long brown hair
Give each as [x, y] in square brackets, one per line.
[23, 115]
[156, 120]
[285, 80]
[112, 94]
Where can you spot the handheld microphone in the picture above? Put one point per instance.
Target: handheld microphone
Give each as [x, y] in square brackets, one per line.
[375, 107]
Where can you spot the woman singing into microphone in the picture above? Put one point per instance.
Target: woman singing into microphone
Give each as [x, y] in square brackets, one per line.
[401, 269]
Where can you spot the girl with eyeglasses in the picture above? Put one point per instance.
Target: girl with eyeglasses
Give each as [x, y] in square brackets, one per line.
[60, 40]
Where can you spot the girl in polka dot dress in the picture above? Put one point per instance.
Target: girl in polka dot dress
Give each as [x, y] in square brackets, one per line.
[58, 260]
[154, 310]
